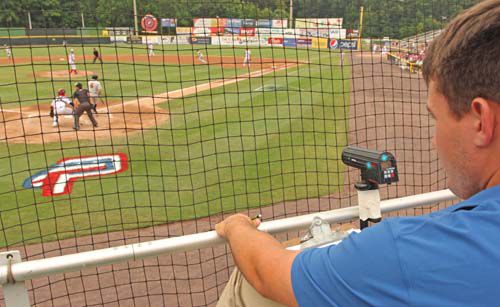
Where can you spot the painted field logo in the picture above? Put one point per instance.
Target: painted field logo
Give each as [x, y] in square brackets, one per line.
[59, 178]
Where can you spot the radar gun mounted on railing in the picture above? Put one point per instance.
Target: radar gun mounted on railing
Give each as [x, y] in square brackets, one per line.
[377, 167]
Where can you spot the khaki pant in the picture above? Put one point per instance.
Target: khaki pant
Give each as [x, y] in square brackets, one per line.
[83, 107]
[239, 293]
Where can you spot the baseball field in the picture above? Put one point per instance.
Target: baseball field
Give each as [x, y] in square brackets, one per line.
[199, 139]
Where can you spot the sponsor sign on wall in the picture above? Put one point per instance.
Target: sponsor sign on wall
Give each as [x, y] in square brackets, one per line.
[304, 42]
[204, 22]
[60, 177]
[234, 23]
[324, 33]
[200, 40]
[275, 41]
[118, 38]
[248, 23]
[343, 44]
[222, 22]
[183, 30]
[231, 31]
[151, 39]
[264, 23]
[337, 33]
[280, 23]
[168, 22]
[215, 31]
[263, 31]
[320, 43]
[247, 31]
[318, 23]
[201, 31]
[175, 40]
[289, 42]
[149, 23]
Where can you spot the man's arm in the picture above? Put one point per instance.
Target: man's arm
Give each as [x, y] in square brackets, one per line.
[264, 262]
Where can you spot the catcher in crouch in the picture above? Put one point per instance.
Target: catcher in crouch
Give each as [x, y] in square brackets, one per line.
[61, 105]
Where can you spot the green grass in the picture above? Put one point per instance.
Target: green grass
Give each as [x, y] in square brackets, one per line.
[222, 150]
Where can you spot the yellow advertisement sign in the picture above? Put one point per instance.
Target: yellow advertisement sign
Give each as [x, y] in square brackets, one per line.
[319, 43]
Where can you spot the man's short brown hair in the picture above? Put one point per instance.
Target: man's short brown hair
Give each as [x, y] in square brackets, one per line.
[464, 60]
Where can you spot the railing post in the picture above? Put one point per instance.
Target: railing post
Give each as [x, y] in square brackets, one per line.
[15, 293]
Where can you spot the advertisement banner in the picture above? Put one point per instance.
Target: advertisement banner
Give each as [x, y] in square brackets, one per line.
[223, 40]
[204, 22]
[247, 31]
[201, 31]
[151, 39]
[337, 33]
[222, 22]
[280, 23]
[168, 22]
[264, 23]
[275, 41]
[248, 23]
[215, 31]
[234, 23]
[149, 23]
[175, 40]
[318, 23]
[352, 33]
[232, 31]
[324, 33]
[304, 42]
[118, 38]
[263, 31]
[289, 42]
[320, 43]
[343, 44]
[200, 40]
[183, 30]
[246, 41]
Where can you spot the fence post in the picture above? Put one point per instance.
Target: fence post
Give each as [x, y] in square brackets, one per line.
[15, 293]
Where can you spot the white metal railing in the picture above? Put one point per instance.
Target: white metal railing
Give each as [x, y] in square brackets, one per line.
[13, 272]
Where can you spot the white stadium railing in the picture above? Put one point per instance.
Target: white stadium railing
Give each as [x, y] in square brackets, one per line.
[13, 272]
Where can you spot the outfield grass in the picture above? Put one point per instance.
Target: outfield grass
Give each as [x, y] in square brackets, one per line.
[222, 150]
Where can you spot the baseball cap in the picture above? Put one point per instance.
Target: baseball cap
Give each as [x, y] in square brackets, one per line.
[78, 84]
[94, 77]
[61, 92]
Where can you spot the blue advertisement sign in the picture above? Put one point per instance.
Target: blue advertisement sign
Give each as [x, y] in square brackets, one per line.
[248, 23]
[168, 23]
[236, 31]
[264, 23]
[304, 41]
[343, 44]
[200, 40]
[233, 23]
[289, 42]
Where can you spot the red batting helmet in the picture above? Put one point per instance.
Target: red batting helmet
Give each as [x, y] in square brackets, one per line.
[61, 92]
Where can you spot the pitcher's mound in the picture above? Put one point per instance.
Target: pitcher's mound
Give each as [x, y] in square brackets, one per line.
[63, 74]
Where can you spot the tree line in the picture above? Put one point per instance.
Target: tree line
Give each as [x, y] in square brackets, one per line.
[394, 18]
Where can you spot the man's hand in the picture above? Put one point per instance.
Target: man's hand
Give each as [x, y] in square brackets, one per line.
[236, 221]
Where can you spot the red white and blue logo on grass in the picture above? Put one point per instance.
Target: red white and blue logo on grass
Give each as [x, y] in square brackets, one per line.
[60, 177]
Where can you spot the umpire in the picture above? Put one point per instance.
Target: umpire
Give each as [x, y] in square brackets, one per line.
[81, 96]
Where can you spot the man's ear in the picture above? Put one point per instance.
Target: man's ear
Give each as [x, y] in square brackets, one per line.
[484, 121]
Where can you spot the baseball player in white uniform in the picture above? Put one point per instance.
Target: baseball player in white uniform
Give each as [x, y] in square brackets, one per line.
[8, 52]
[151, 51]
[246, 60]
[95, 89]
[61, 105]
[201, 58]
[72, 62]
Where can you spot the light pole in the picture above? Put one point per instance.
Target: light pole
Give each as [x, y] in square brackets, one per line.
[136, 25]
[291, 14]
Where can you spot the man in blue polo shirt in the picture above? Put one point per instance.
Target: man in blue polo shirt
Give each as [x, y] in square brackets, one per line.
[447, 258]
